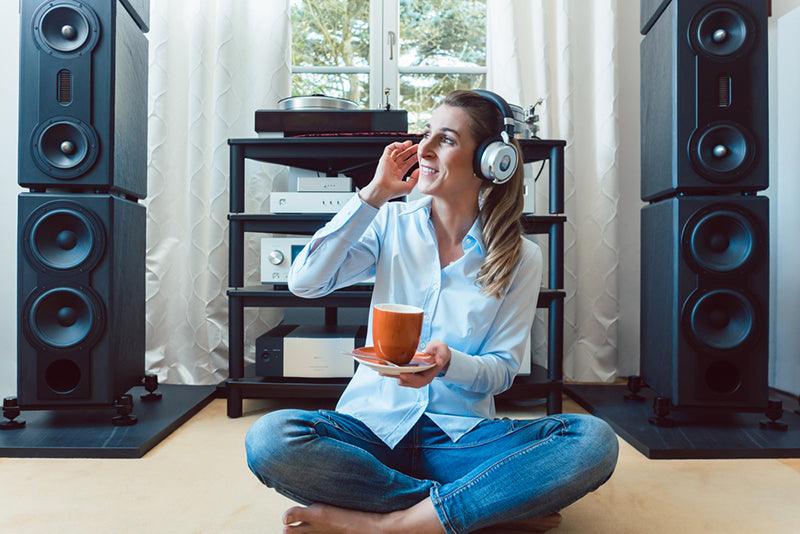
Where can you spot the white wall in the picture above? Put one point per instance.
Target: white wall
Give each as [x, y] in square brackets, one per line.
[784, 195]
[9, 65]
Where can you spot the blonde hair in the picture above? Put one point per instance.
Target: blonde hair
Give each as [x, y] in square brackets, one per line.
[501, 204]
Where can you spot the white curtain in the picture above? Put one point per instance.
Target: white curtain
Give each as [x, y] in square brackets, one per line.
[213, 63]
[565, 52]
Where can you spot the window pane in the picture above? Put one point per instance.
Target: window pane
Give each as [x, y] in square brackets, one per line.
[354, 87]
[443, 33]
[334, 33]
[419, 93]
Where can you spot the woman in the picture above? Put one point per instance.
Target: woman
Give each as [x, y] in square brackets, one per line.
[423, 452]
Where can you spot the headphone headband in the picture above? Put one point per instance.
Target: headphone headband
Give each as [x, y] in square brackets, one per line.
[505, 109]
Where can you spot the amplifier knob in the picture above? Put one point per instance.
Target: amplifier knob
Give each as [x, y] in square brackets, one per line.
[276, 257]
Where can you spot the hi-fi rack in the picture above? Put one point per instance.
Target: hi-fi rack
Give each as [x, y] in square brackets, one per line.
[332, 155]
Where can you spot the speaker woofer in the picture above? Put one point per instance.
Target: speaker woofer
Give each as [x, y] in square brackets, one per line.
[64, 147]
[63, 236]
[720, 319]
[721, 33]
[719, 241]
[722, 151]
[64, 318]
[65, 28]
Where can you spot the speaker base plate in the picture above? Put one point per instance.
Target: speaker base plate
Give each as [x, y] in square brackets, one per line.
[89, 433]
[697, 435]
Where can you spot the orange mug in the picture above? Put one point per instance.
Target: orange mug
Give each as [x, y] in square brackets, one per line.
[396, 329]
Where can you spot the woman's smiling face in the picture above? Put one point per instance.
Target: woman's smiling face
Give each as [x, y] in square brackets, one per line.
[445, 154]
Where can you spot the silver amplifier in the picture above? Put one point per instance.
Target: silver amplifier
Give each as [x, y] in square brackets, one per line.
[277, 255]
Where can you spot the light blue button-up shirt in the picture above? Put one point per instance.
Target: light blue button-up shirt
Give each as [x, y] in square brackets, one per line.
[487, 336]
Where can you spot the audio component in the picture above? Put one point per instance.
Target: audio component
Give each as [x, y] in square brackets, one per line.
[81, 295]
[277, 255]
[83, 97]
[704, 99]
[705, 300]
[705, 233]
[290, 123]
[307, 202]
[319, 184]
[308, 351]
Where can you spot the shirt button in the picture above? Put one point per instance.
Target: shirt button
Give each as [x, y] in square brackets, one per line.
[435, 287]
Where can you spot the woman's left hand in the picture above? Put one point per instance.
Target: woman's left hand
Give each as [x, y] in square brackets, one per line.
[439, 353]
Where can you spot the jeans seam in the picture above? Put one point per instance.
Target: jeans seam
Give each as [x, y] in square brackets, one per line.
[333, 422]
[441, 511]
[491, 467]
[456, 445]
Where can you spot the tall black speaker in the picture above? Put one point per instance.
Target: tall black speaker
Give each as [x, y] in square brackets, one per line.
[83, 96]
[81, 295]
[705, 233]
[705, 299]
[704, 97]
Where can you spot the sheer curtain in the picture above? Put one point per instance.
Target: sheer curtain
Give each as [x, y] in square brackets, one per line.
[566, 53]
[212, 64]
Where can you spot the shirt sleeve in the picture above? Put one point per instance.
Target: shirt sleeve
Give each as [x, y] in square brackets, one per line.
[494, 369]
[340, 254]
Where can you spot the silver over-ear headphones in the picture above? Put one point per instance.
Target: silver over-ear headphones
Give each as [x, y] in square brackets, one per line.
[496, 159]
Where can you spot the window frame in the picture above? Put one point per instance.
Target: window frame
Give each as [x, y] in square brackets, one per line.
[384, 70]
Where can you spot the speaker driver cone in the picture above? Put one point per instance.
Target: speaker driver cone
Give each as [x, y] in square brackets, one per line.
[65, 28]
[720, 241]
[722, 151]
[64, 147]
[63, 236]
[64, 317]
[721, 33]
[721, 319]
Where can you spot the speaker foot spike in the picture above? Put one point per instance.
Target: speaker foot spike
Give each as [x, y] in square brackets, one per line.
[10, 411]
[635, 385]
[124, 407]
[661, 407]
[774, 412]
[151, 384]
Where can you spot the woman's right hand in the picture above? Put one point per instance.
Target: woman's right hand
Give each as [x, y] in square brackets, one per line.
[388, 183]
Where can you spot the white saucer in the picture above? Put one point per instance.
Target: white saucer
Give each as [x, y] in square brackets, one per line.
[417, 364]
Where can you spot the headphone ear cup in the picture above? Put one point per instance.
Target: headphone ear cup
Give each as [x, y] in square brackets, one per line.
[495, 160]
[477, 162]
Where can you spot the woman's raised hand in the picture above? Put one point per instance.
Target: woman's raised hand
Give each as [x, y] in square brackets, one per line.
[388, 183]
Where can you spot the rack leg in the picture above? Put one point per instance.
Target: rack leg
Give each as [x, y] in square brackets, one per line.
[234, 401]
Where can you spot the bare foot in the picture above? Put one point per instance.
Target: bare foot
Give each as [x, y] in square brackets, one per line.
[323, 518]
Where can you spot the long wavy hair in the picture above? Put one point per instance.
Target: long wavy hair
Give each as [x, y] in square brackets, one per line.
[501, 205]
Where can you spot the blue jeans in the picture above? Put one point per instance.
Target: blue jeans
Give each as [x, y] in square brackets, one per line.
[502, 470]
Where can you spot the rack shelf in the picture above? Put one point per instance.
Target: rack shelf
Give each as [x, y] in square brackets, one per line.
[357, 156]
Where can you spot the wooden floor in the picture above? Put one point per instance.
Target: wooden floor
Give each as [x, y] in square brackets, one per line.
[196, 481]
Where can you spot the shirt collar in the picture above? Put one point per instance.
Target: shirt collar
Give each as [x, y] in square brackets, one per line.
[474, 235]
